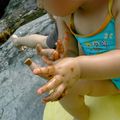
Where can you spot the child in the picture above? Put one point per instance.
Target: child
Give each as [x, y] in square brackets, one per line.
[95, 26]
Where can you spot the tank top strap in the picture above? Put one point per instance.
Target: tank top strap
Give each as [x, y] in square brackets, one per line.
[104, 24]
[72, 22]
[110, 7]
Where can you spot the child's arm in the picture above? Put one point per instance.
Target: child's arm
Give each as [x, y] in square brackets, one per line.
[106, 65]
[100, 67]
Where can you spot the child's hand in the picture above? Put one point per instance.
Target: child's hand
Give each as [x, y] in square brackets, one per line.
[62, 76]
[50, 55]
[32, 65]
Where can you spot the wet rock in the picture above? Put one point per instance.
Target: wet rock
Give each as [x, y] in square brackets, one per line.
[18, 98]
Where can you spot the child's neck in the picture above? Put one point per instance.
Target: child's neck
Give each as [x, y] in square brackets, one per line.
[93, 5]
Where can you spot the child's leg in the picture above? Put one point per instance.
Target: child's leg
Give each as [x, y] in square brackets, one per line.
[74, 104]
[74, 101]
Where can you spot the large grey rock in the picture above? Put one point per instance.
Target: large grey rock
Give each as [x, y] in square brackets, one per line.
[18, 98]
[42, 25]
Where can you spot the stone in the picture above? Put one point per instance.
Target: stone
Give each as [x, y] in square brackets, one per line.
[18, 85]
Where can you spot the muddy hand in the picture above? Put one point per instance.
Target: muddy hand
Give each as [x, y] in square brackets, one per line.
[63, 75]
[32, 65]
[60, 48]
[43, 72]
[51, 54]
[47, 72]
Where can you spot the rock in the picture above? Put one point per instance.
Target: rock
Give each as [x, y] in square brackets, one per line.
[18, 99]
[41, 25]
[18, 12]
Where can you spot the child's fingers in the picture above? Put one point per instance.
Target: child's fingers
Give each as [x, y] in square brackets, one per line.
[44, 52]
[47, 61]
[56, 95]
[31, 64]
[38, 48]
[52, 84]
[47, 52]
[60, 47]
[55, 55]
[50, 53]
[46, 72]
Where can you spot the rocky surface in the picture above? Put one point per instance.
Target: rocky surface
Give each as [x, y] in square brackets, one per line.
[18, 99]
[17, 13]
